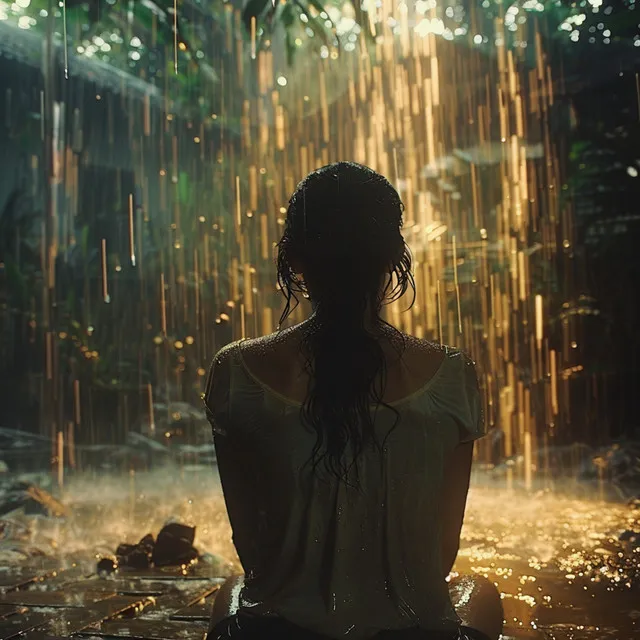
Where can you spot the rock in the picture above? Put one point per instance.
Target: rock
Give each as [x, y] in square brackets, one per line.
[106, 567]
[147, 542]
[174, 545]
[136, 556]
[130, 555]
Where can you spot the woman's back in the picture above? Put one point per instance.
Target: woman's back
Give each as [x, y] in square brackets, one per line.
[317, 551]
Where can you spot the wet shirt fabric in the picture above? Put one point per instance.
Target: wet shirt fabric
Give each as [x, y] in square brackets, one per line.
[246, 627]
[322, 555]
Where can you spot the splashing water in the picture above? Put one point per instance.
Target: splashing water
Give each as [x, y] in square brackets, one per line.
[544, 532]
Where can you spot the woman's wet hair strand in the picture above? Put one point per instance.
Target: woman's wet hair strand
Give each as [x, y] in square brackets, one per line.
[343, 231]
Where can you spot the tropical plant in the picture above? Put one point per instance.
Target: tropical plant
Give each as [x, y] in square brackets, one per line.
[185, 53]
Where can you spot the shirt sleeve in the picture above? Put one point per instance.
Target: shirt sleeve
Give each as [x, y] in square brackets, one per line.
[473, 425]
[216, 397]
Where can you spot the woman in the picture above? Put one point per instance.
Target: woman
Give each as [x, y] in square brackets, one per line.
[344, 446]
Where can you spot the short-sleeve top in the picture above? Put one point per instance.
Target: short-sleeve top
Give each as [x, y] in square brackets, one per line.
[323, 555]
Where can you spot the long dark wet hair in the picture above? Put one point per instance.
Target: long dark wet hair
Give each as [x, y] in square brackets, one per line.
[343, 231]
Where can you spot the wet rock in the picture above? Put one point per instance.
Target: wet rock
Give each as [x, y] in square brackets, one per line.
[147, 543]
[106, 567]
[174, 545]
[136, 556]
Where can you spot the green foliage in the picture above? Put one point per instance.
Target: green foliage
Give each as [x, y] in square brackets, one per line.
[146, 40]
[295, 17]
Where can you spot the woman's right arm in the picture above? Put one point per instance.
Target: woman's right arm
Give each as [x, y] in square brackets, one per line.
[457, 474]
[467, 412]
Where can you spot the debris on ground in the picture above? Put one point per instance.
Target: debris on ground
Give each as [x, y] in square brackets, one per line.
[31, 499]
[172, 547]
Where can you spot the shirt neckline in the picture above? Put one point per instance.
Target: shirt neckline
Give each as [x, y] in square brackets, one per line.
[290, 401]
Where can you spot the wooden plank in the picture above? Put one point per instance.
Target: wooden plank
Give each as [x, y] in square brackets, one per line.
[79, 619]
[511, 633]
[64, 599]
[47, 570]
[95, 586]
[150, 630]
[154, 573]
[9, 582]
[135, 586]
[200, 571]
[120, 587]
[138, 586]
[7, 610]
[15, 625]
[65, 622]
[76, 619]
[200, 610]
[168, 606]
[204, 570]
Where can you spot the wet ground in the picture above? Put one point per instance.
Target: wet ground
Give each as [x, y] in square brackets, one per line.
[568, 569]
